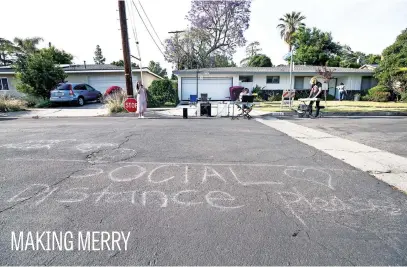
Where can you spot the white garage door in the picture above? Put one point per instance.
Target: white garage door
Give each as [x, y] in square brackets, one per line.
[102, 83]
[216, 88]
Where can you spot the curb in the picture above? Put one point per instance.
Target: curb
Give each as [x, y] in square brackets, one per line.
[343, 114]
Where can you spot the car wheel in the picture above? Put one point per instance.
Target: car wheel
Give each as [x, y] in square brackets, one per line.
[100, 99]
[81, 101]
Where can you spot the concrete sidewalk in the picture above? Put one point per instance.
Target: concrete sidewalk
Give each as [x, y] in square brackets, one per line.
[386, 166]
[195, 112]
[89, 110]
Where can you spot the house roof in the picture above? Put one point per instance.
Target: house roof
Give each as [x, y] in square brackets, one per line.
[91, 68]
[265, 70]
[370, 66]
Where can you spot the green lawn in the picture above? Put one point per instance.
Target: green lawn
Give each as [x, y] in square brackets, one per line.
[339, 106]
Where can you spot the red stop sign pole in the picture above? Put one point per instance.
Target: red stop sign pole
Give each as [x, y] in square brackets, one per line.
[130, 105]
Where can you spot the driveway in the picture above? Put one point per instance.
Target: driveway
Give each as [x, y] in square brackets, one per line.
[88, 110]
[191, 192]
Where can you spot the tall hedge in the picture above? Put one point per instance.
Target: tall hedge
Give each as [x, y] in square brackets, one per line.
[161, 92]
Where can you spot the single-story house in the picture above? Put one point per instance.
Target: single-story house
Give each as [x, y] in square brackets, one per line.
[101, 77]
[217, 81]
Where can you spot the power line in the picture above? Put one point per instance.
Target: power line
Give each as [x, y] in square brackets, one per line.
[151, 23]
[133, 26]
[147, 28]
[132, 21]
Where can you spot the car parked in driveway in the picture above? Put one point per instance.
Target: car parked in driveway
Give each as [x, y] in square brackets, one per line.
[75, 93]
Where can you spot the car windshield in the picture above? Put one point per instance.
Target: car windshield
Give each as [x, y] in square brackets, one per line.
[63, 87]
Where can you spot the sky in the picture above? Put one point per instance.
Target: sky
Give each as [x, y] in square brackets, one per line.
[77, 26]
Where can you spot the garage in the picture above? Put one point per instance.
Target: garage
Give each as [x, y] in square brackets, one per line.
[102, 83]
[216, 88]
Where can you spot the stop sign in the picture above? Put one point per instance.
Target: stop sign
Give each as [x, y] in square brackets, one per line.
[130, 105]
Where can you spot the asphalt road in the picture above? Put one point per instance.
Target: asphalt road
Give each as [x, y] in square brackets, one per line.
[191, 192]
[385, 133]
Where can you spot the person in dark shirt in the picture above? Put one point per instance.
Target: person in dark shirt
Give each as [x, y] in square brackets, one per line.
[316, 90]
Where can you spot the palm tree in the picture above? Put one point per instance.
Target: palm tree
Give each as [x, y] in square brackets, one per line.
[27, 45]
[291, 23]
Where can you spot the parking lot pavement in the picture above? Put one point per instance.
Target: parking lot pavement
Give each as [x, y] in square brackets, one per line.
[385, 133]
[190, 192]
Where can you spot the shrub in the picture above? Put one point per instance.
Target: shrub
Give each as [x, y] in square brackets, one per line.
[37, 102]
[115, 102]
[44, 103]
[37, 73]
[274, 97]
[8, 104]
[403, 97]
[160, 92]
[152, 101]
[379, 94]
[32, 101]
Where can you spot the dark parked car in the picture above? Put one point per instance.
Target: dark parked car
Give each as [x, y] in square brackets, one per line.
[75, 93]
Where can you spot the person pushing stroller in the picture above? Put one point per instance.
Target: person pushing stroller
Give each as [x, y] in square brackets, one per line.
[316, 90]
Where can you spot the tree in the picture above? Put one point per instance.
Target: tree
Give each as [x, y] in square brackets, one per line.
[327, 75]
[390, 72]
[173, 77]
[260, 60]
[252, 49]
[221, 61]
[120, 63]
[290, 24]
[156, 68]
[99, 59]
[26, 46]
[315, 47]
[373, 59]
[37, 74]
[351, 59]
[162, 91]
[59, 56]
[217, 28]
[7, 50]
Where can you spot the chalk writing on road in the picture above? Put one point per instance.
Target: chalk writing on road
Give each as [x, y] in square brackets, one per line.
[214, 185]
[299, 204]
[152, 198]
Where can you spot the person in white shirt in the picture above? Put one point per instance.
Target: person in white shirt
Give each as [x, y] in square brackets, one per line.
[342, 91]
[244, 92]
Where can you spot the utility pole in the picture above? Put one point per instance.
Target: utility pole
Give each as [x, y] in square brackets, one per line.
[126, 48]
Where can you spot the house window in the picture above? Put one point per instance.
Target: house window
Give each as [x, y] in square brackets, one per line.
[246, 79]
[299, 83]
[273, 79]
[3, 84]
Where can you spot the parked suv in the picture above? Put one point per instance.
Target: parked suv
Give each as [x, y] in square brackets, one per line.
[75, 93]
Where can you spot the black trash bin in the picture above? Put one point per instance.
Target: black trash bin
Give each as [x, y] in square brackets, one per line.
[185, 113]
[206, 109]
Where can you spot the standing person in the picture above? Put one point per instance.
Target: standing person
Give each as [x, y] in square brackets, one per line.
[342, 91]
[141, 100]
[244, 92]
[316, 91]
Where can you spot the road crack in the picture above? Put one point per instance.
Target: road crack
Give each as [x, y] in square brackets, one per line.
[41, 191]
